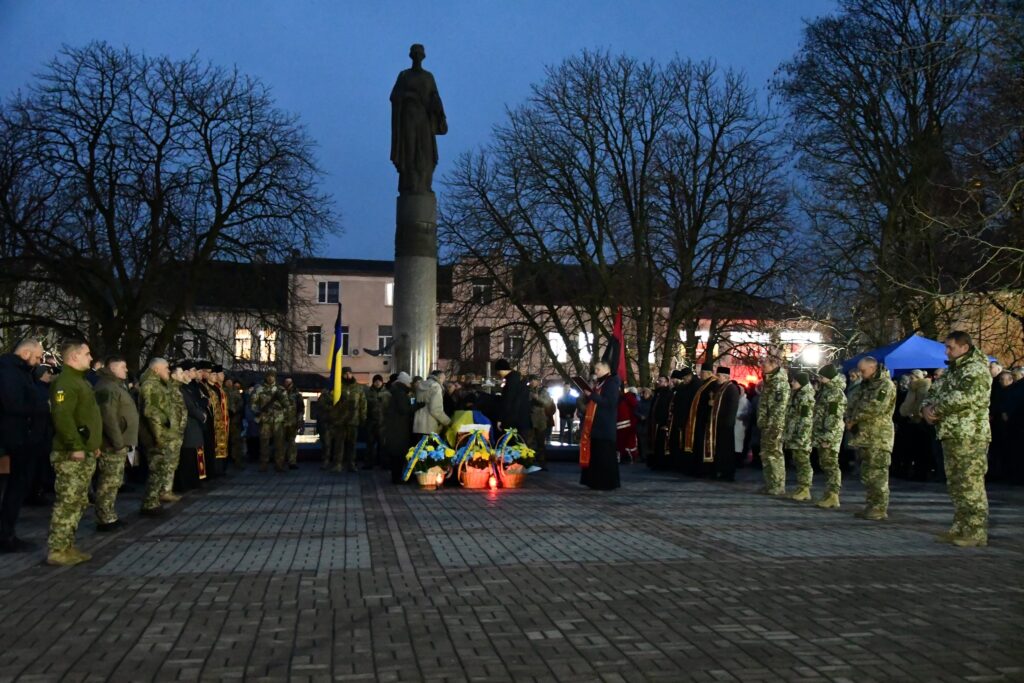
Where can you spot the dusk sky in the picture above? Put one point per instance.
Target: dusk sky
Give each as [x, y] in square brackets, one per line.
[333, 63]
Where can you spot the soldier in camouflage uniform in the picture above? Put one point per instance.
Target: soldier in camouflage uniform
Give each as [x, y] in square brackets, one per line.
[827, 431]
[78, 433]
[377, 398]
[869, 419]
[959, 410]
[797, 434]
[236, 412]
[321, 412]
[292, 422]
[120, 434]
[345, 417]
[771, 420]
[163, 418]
[271, 405]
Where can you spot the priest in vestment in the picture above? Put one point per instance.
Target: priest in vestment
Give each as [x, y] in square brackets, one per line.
[697, 423]
[719, 437]
[599, 461]
[682, 397]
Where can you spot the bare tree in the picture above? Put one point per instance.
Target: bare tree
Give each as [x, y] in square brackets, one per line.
[122, 177]
[592, 191]
[875, 93]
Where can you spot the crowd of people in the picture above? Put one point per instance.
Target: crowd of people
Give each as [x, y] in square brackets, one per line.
[955, 426]
[72, 429]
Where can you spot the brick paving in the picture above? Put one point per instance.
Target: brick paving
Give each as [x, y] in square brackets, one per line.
[312, 576]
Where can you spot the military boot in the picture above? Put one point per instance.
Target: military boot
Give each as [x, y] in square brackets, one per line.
[778, 493]
[946, 536]
[802, 493]
[62, 558]
[872, 515]
[830, 501]
[82, 556]
[168, 497]
[970, 541]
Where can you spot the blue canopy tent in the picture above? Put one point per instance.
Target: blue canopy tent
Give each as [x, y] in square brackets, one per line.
[912, 353]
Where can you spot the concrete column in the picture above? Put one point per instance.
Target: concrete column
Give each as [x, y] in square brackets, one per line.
[415, 312]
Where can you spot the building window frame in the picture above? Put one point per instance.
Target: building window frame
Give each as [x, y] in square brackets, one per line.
[328, 292]
[314, 340]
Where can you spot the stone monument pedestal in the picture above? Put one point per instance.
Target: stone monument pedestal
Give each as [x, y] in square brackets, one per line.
[415, 305]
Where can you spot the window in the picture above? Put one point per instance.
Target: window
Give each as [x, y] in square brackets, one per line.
[268, 346]
[243, 344]
[200, 344]
[558, 347]
[329, 292]
[515, 343]
[481, 344]
[482, 291]
[389, 294]
[449, 343]
[384, 336]
[344, 340]
[314, 335]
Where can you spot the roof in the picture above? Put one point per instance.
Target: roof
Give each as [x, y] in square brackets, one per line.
[243, 286]
[345, 266]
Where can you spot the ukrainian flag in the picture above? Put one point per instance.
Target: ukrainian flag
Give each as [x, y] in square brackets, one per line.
[336, 360]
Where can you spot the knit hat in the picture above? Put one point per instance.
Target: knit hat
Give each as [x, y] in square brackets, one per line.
[685, 372]
[707, 367]
[917, 374]
[501, 364]
[828, 371]
[404, 378]
[722, 370]
[802, 378]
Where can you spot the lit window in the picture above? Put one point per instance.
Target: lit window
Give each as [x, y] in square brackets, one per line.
[389, 294]
[243, 344]
[328, 292]
[558, 347]
[314, 336]
[267, 350]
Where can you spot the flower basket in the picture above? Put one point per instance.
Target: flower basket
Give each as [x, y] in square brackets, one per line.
[430, 455]
[474, 478]
[513, 477]
[432, 478]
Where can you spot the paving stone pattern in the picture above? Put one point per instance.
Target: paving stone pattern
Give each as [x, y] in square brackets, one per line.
[312, 576]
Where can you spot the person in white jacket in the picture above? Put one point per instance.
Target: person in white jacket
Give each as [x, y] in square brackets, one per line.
[430, 417]
[740, 430]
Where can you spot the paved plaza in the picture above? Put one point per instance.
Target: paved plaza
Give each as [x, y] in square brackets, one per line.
[312, 576]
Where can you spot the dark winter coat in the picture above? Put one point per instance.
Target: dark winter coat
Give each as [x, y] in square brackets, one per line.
[24, 414]
[515, 404]
[197, 414]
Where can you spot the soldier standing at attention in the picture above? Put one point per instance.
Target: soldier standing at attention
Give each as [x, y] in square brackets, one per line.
[78, 431]
[799, 423]
[771, 420]
[346, 416]
[827, 432]
[869, 419]
[293, 422]
[163, 427]
[377, 397]
[271, 404]
[120, 435]
[959, 410]
[236, 411]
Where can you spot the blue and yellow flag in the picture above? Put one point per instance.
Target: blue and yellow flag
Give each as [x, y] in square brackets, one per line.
[336, 360]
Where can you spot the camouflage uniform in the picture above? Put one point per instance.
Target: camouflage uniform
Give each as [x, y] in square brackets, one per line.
[323, 426]
[77, 427]
[236, 411]
[828, 428]
[271, 406]
[870, 412]
[291, 426]
[771, 420]
[797, 435]
[163, 410]
[120, 433]
[345, 416]
[961, 404]
[376, 403]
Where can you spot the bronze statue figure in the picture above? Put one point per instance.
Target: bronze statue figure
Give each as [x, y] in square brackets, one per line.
[417, 115]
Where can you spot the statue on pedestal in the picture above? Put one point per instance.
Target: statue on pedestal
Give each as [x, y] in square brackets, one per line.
[417, 116]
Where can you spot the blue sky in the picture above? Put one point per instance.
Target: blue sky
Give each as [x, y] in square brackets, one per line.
[333, 63]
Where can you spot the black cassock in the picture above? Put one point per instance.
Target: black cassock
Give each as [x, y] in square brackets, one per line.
[661, 407]
[696, 428]
[720, 434]
[682, 399]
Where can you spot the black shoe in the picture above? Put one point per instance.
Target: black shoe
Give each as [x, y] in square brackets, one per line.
[16, 545]
[109, 526]
[153, 512]
[293, 467]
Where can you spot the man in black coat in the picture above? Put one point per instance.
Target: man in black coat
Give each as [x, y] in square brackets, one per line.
[720, 439]
[24, 415]
[397, 427]
[657, 421]
[514, 411]
[679, 418]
